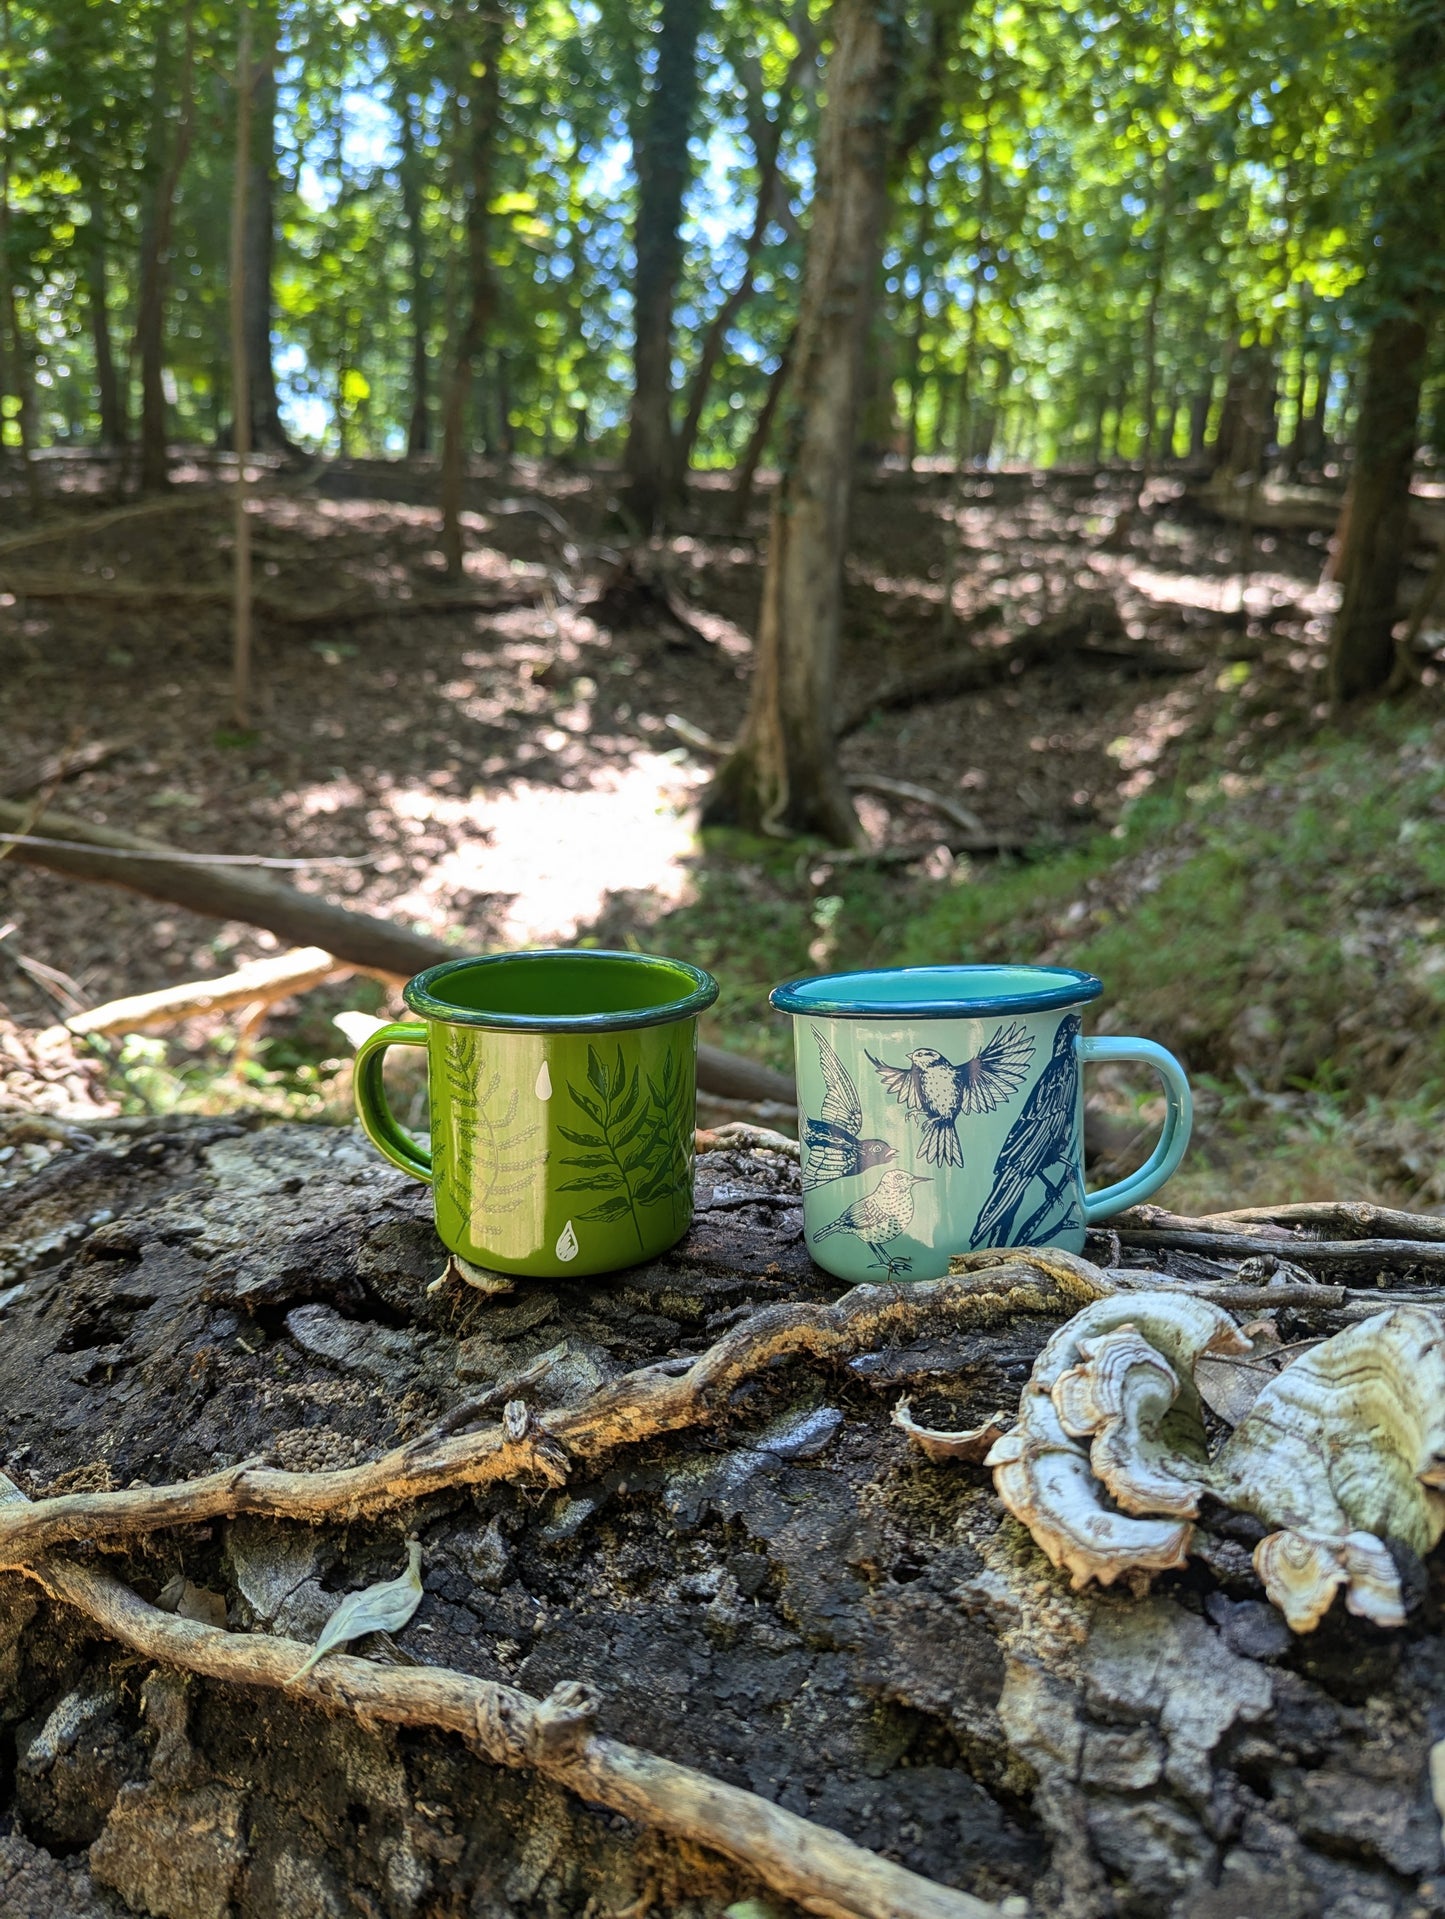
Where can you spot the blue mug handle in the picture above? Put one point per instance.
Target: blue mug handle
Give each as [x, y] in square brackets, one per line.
[1169, 1149]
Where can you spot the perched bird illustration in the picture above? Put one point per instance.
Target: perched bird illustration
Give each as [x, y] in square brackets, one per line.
[1042, 1137]
[936, 1091]
[880, 1216]
[834, 1148]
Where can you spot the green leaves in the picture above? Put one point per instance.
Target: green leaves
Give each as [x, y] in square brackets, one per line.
[636, 1157]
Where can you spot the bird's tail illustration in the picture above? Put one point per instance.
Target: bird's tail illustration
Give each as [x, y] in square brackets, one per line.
[833, 1226]
[939, 1145]
[996, 1220]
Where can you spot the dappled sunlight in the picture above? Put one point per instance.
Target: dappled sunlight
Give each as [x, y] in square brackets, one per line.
[550, 856]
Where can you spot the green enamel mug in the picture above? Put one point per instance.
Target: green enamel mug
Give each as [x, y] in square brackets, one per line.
[563, 1089]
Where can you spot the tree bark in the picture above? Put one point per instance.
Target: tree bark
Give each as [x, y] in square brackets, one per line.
[207, 1313]
[166, 152]
[267, 432]
[1362, 646]
[477, 57]
[663, 168]
[769, 139]
[1407, 289]
[418, 431]
[97, 293]
[783, 776]
[742, 494]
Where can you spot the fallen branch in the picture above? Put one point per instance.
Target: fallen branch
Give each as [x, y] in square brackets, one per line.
[86, 526]
[978, 668]
[1340, 1218]
[360, 940]
[818, 1868]
[1382, 1255]
[261, 982]
[640, 1405]
[44, 775]
[345, 609]
[939, 803]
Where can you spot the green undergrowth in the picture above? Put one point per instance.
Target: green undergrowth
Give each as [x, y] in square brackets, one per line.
[1282, 933]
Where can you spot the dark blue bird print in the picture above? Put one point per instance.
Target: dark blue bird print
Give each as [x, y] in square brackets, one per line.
[935, 1091]
[834, 1150]
[1040, 1139]
[879, 1216]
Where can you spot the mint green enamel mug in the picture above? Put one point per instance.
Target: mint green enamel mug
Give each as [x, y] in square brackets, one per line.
[941, 1111]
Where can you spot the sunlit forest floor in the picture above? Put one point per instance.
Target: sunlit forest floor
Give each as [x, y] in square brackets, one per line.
[519, 763]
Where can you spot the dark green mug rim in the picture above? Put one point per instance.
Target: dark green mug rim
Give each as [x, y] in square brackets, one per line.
[424, 994]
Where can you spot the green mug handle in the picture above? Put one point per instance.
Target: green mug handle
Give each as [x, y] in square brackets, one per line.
[378, 1122]
[1168, 1151]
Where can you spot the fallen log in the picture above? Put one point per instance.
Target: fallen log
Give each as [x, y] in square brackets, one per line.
[751, 1624]
[973, 670]
[159, 872]
[258, 983]
[57, 767]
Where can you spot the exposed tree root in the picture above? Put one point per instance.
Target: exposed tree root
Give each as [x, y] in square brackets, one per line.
[818, 1868]
[639, 1406]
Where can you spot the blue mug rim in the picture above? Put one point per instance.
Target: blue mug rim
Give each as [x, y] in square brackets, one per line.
[943, 992]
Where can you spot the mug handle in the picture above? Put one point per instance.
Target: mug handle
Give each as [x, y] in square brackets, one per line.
[1169, 1148]
[378, 1122]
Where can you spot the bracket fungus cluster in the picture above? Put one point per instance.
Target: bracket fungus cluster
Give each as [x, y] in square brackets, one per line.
[1342, 1450]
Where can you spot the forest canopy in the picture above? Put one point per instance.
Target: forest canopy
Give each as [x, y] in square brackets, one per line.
[1136, 231]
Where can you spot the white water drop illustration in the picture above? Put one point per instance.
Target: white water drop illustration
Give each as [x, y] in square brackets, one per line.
[543, 1090]
[567, 1244]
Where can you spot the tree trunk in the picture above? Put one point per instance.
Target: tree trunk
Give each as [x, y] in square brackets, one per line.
[267, 432]
[12, 332]
[242, 306]
[769, 137]
[97, 292]
[1362, 647]
[742, 496]
[418, 431]
[663, 169]
[478, 61]
[1372, 554]
[783, 775]
[166, 152]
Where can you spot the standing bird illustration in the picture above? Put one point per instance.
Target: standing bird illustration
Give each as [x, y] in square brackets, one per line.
[936, 1092]
[834, 1148]
[1040, 1138]
[880, 1216]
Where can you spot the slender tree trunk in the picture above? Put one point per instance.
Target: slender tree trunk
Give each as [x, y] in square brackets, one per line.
[267, 431]
[915, 333]
[18, 356]
[97, 291]
[1362, 657]
[167, 148]
[477, 60]
[742, 496]
[769, 143]
[783, 775]
[241, 373]
[418, 431]
[663, 168]
[1362, 645]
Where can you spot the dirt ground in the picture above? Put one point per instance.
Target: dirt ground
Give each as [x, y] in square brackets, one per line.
[506, 769]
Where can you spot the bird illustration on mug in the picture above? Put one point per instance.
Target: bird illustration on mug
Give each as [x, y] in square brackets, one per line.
[1040, 1140]
[833, 1146]
[880, 1216]
[937, 1092]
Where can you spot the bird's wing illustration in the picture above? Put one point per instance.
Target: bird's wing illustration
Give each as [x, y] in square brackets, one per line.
[903, 1082]
[993, 1075]
[831, 1153]
[841, 1103]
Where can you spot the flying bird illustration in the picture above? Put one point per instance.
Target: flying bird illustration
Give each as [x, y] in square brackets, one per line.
[1042, 1137]
[834, 1148]
[936, 1091]
[880, 1216]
